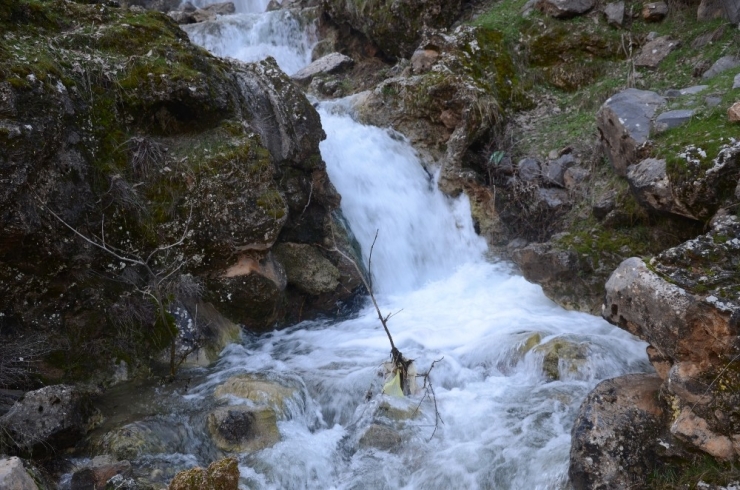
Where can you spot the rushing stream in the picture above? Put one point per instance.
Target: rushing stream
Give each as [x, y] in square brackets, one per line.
[506, 423]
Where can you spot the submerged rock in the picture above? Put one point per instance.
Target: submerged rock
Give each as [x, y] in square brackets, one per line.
[242, 428]
[562, 356]
[259, 391]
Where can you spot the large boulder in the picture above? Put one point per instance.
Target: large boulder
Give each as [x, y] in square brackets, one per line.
[685, 305]
[652, 188]
[624, 122]
[615, 438]
[47, 418]
[396, 27]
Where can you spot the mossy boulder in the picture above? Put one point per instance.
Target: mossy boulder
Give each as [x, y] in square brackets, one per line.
[220, 475]
[395, 27]
[307, 269]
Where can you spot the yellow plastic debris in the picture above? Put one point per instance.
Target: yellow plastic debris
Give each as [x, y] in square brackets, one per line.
[393, 386]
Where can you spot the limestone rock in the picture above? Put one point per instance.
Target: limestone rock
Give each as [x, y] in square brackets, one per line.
[260, 392]
[615, 436]
[13, 475]
[242, 428]
[565, 9]
[653, 190]
[624, 122]
[331, 63]
[307, 269]
[220, 475]
[723, 64]
[733, 113]
[614, 13]
[54, 416]
[656, 51]
[655, 11]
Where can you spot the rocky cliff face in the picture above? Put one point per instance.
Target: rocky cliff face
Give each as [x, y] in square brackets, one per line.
[139, 172]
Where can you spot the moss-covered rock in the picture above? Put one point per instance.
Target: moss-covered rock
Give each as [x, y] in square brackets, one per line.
[220, 475]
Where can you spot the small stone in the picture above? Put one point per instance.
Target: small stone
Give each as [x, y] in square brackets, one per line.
[529, 169]
[736, 81]
[602, 208]
[672, 119]
[693, 90]
[573, 176]
[222, 8]
[614, 13]
[723, 64]
[656, 51]
[733, 113]
[713, 101]
[553, 171]
[553, 198]
[654, 12]
[331, 63]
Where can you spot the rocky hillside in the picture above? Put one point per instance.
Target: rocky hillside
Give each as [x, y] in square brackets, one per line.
[151, 193]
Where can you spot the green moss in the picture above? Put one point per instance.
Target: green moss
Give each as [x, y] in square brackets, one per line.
[272, 202]
[688, 474]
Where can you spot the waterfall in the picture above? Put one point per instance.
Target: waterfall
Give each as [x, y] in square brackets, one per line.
[507, 419]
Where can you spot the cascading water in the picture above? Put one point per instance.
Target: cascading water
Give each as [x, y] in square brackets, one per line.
[506, 422]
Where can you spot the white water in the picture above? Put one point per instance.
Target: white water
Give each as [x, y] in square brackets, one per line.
[506, 425]
[241, 6]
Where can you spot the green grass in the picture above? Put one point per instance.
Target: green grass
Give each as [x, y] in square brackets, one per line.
[703, 469]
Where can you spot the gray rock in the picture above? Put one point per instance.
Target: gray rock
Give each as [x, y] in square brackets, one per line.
[182, 17]
[719, 9]
[712, 100]
[423, 59]
[13, 475]
[614, 13]
[574, 176]
[307, 269]
[331, 63]
[624, 124]
[693, 90]
[97, 475]
[602, 208]
[221, 8]
[188, 7]
[565, 9]
[201, 15]
[672, 119]
[273, 6]
[656, 51]
[553, 171]
[53, 416]
[652, 188]
[119, 482]
[723, 64]
[529, 169]
[615, 436]
[655, 11]
[553, 198]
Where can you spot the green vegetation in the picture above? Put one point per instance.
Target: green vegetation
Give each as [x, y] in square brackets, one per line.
[703, 469]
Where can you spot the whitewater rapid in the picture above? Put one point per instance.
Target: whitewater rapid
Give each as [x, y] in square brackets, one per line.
[506, 423]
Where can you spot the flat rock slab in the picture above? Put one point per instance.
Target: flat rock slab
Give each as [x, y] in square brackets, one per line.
[672, 119]
[656, 51]
[331, 63]
[624, 122]
[565, 9]
[723, 64]
[614, 13]
[693, 90]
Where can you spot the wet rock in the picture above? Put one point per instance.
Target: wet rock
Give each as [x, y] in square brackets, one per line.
[652, 188]
[380, 437]
[562, 357]
[260, 392]
[13, 475]
[221, 8]
[242, 428]
[615, 438]
[307, 269]
[656, 51]
[723, 64]
[719, 9]
[733, 113]
[142, 437]
[220, 475]
[561, 273]
[331, 63]
[624, 125]
[553, 171]
[395, 27]
[614, 13]
[96, 476]
[655, 11]
[565, 9]
[47, 418]
[529, 169]
[119, 482]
